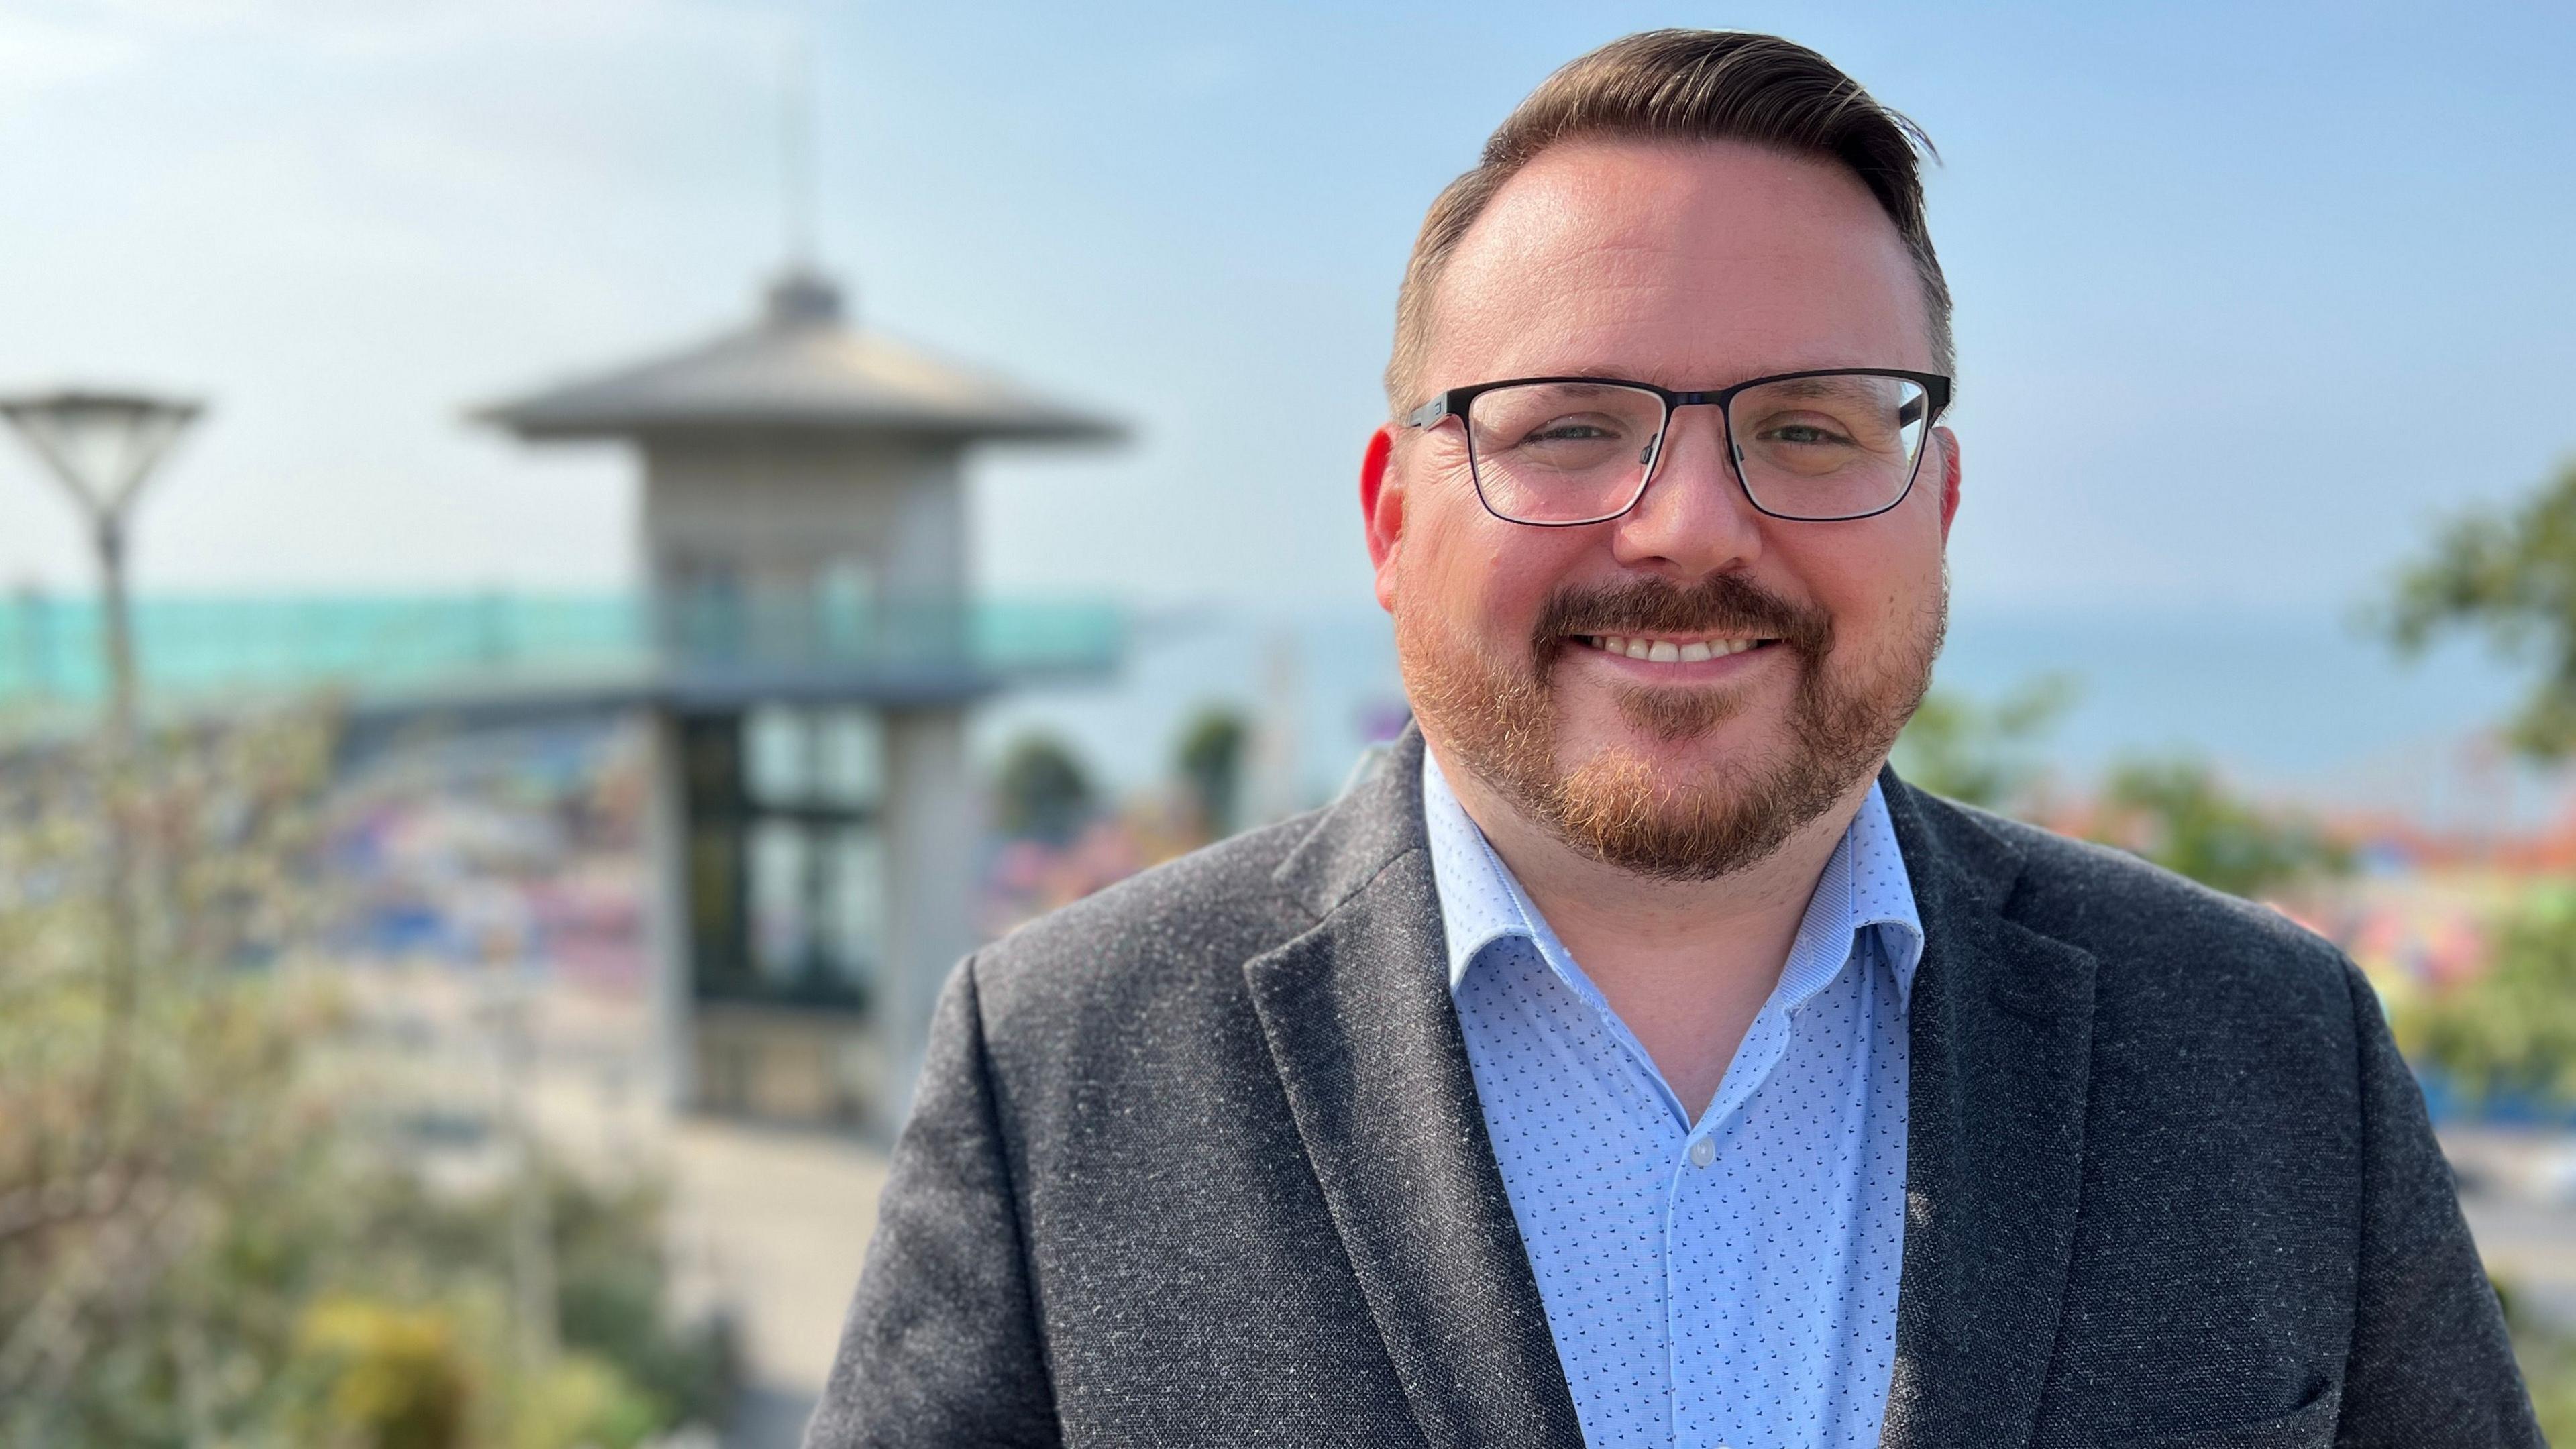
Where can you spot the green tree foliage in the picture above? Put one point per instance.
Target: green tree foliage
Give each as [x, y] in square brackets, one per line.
[396, 1378]
[123, 1232]
[237, 1255]
[1211, 767]
[2179, 814]
[1041, 791]
[2513, 1028]
[1982, 753]
[2511, 575]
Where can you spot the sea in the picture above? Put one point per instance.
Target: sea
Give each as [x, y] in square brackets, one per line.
[2306, 708]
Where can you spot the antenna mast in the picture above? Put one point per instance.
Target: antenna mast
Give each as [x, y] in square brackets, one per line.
[796, 149]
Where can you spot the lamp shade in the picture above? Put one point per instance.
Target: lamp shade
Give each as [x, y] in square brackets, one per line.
[101, 445]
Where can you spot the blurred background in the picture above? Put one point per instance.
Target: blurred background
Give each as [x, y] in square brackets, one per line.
[559, 564]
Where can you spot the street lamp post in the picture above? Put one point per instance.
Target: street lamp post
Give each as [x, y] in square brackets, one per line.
[101, 446]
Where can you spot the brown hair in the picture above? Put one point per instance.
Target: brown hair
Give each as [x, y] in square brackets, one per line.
[1697, 85]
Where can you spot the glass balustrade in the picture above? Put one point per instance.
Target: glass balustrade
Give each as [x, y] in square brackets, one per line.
[50, 647]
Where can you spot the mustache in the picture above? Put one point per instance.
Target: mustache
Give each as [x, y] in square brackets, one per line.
[1719, 604]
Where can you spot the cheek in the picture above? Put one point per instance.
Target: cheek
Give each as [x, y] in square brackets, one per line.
[1876, 580]
[1479, 574]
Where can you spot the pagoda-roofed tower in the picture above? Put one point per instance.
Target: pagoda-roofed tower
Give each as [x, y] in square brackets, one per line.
[804, 535]
[800, 367]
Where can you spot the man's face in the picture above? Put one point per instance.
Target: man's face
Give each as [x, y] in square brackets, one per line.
[1694, 266]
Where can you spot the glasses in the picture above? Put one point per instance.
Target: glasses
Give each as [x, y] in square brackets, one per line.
[1822, 446]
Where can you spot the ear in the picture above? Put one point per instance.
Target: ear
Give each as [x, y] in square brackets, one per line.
[1382, 510]
[1949, 479]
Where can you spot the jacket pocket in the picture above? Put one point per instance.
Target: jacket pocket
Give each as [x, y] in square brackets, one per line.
[2310, 1426]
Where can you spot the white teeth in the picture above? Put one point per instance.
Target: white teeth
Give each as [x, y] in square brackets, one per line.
[1664, 651]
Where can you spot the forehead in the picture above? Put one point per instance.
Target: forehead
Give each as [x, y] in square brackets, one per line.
[1691, 264]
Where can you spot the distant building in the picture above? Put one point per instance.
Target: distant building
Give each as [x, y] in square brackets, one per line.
[804, 537]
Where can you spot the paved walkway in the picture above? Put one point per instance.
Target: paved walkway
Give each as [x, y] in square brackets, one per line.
[2518, 1191]
[777, 1222]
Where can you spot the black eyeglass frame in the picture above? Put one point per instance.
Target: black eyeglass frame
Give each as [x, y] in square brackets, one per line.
[1454, 403]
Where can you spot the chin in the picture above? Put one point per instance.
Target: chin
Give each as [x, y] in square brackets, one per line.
[1676, 728]
[1714, 750]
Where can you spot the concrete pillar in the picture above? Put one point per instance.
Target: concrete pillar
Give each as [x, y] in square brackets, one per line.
[672, 993]
[930, 816]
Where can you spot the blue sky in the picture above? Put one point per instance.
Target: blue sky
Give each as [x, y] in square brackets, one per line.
[2246, 296]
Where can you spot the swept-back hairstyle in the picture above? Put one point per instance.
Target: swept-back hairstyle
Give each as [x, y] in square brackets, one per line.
[1693, 85]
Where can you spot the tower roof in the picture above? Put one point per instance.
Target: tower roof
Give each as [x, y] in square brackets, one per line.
[799, 368]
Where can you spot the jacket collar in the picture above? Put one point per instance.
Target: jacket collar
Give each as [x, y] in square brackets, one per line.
[1358, 1018]
[1377, 819]
[2001, 1044]
[1357, 1015]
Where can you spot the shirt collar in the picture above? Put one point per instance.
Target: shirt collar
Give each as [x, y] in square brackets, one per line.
[1864, 885]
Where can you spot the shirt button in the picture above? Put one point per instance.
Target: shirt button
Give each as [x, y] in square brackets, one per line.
[1703, 1152]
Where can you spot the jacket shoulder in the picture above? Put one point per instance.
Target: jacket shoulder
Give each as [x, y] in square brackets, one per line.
[2149, 929]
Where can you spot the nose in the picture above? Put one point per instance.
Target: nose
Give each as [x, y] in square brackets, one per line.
[1694, 519]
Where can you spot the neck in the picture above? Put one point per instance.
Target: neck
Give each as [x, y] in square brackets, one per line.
[1686, 964]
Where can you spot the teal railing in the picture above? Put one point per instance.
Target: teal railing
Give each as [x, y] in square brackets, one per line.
[51, 648]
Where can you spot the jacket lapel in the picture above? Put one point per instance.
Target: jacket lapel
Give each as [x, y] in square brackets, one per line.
[2000, 1036]
[1359, 1023]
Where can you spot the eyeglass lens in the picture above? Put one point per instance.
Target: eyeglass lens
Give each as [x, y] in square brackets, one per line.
[1806, 447]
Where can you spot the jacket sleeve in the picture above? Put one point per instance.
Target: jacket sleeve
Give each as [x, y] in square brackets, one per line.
[2430, 1366]
[941, 1345]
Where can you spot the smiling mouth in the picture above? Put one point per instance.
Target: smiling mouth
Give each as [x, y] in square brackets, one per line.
[1670, 651]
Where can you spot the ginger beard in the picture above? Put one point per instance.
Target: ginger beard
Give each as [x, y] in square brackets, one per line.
[1626, 808]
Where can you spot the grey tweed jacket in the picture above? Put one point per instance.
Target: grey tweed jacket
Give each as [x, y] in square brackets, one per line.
[1198, 1161]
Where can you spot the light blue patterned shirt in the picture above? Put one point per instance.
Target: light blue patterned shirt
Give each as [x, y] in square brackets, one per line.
[1730, 1282]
